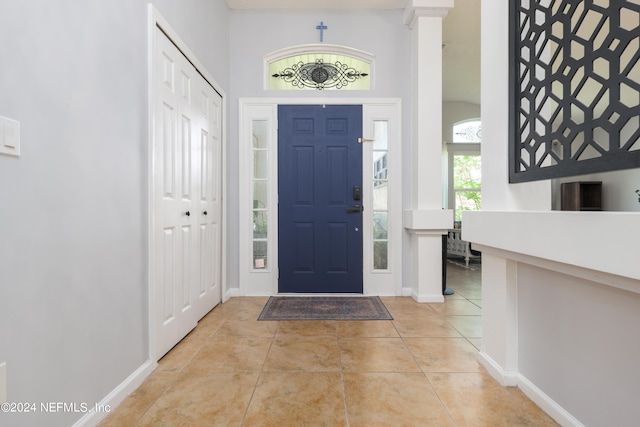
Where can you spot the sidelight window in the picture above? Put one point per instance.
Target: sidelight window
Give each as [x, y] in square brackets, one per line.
[259, 189]
[380, 211]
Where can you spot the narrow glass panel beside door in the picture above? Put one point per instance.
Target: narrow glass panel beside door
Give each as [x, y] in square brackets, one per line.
[380, 195]
[259, 185]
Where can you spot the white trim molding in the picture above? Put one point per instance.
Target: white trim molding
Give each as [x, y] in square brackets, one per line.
[117, 395]
[155, 19]
[434, 8]
[264, 281]
[540, 398]
[318, 48]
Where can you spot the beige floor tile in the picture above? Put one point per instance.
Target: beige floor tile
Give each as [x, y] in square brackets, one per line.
[406, 307]
[469, 292]
[218, 399]
[230, 354]
[231, 362]
[444, 354]
[455, 295]
[297, 399]
[137, 403]
[376, 355]
[303, 354]
[246, 308]
[392, 399]
[476, 342]
[307, 327]
[369, 328]
[183, 352]
[249, 312]
[395, 302]
[247, 328]
[457, 307]
[468, 326]
[477, 400]
[477, 302]
[212, 321]
[425, 327]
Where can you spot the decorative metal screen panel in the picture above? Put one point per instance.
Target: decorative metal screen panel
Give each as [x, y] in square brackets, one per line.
[574, 87]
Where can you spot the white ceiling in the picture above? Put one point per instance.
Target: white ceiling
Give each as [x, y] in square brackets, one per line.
[461, 38]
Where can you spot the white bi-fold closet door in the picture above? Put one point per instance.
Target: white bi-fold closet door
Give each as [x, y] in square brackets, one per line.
[187, 208]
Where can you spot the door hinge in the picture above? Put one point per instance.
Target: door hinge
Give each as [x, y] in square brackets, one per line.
[361, 140]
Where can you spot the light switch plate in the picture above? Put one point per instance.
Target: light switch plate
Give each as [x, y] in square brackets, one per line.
[9, 137]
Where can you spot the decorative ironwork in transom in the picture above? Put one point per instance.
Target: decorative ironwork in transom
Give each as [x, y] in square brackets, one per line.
[318, 75]
[468, 131]
[319, 67]
[574, 87]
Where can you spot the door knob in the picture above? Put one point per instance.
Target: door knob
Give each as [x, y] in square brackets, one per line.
[187, 213]
[354, 209]
[204, 213]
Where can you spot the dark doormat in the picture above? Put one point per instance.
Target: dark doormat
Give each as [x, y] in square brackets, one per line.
[324, 308]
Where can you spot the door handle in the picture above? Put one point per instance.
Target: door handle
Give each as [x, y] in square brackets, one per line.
[354, 209]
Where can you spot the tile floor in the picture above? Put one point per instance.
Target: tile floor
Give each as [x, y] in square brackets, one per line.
[420, 369]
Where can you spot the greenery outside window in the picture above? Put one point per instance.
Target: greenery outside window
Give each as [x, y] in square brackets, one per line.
[467, 182]
[464, 168]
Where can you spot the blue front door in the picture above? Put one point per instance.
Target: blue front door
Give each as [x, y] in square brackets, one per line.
[320, 198]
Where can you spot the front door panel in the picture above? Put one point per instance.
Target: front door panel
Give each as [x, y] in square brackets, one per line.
[320, 218]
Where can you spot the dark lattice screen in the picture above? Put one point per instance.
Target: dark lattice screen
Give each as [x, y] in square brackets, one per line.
[574, 87]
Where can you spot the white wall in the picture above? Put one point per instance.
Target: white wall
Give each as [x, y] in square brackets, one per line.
[203, 25]
[583, 349]
[73, 210]
[496, 193]
[256, 33]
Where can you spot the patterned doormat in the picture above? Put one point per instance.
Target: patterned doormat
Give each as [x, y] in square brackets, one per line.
[325, 308]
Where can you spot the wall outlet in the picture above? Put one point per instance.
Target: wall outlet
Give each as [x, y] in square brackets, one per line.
[3, 382]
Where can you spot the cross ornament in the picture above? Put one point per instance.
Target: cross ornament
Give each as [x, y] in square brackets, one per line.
[321, 27]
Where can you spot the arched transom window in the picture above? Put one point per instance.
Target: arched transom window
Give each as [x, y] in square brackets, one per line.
[318, 67]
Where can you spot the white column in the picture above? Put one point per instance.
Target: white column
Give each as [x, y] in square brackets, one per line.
[499, 352]
[426, 220]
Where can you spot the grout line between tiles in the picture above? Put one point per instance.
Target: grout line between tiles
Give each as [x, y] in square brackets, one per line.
[260, 375]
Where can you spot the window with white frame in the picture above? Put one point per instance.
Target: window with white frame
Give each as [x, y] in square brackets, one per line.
[319, 67]
[465, 174]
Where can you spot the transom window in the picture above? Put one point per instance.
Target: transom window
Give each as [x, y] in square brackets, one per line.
[318, 67]
[470, 131]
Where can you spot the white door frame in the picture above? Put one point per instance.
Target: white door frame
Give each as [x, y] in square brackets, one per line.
[265, 281]
[155, 19]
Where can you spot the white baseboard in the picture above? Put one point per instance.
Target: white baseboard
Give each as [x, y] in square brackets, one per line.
[113, 399]
[230, 293]
[547, 404]
[427, 297]
[539, 397]
[505, 378]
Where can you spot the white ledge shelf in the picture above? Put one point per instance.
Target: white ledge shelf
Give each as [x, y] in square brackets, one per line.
[439, 220]
[598, 242]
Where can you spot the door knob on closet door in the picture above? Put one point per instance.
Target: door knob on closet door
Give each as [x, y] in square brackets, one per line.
[187, 213]
[204, 213]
